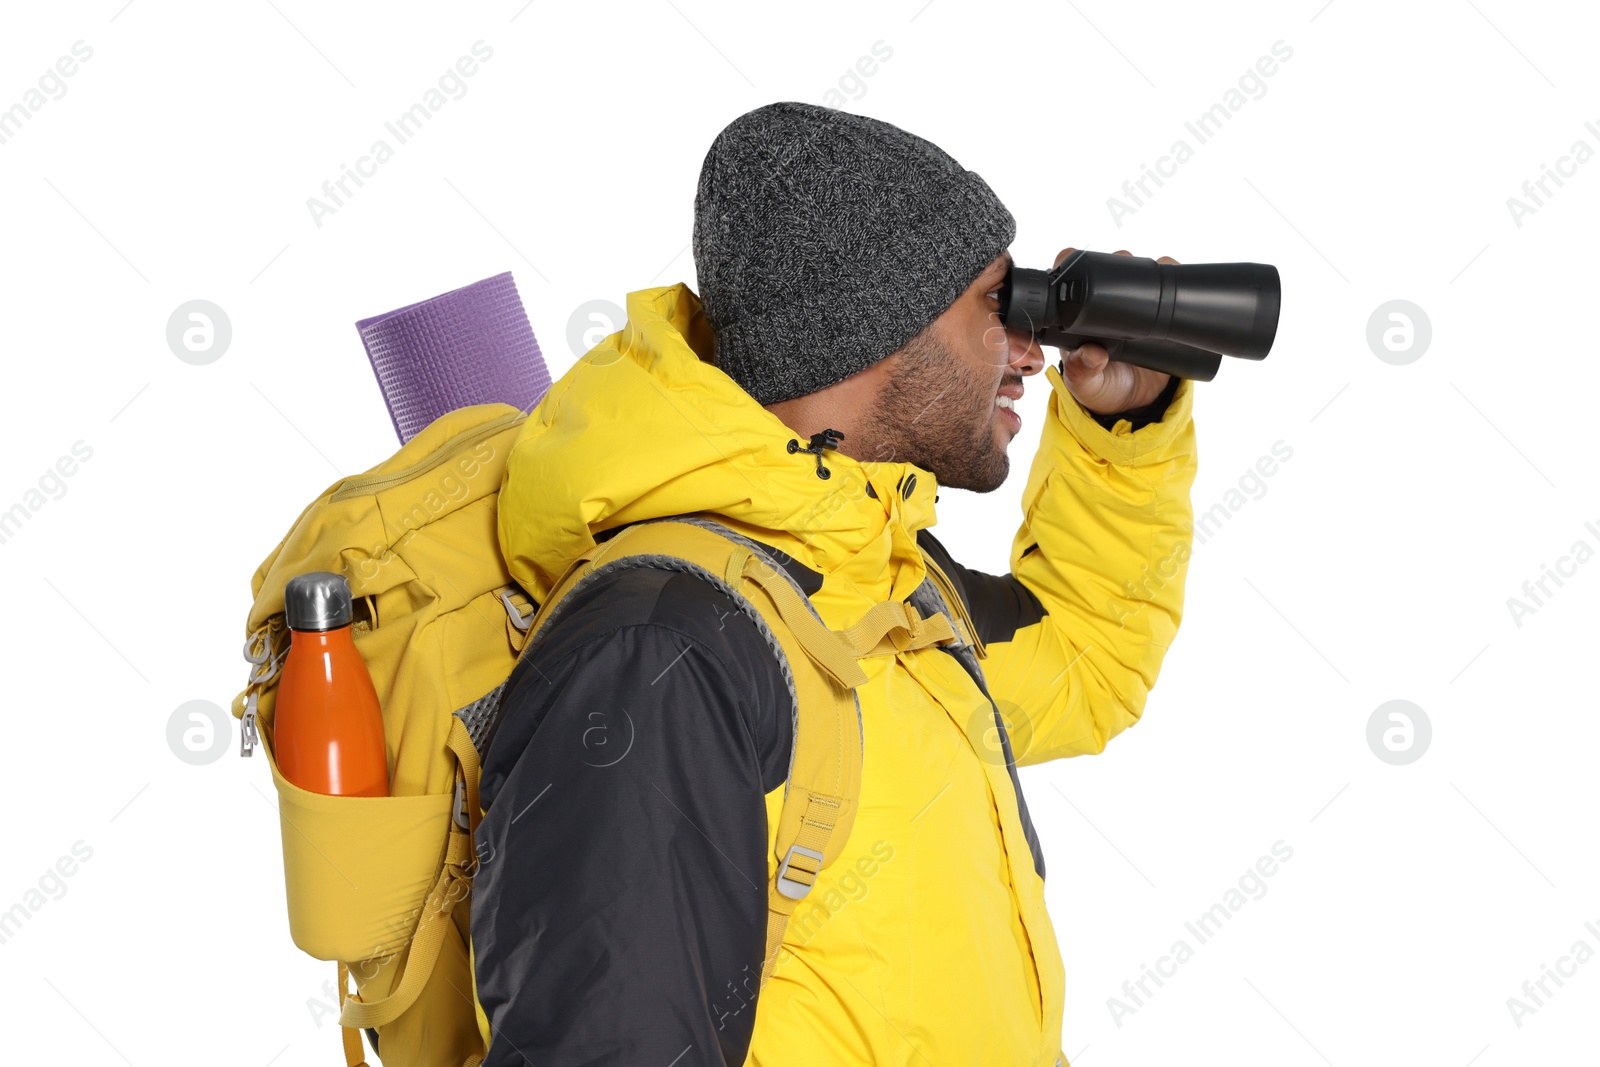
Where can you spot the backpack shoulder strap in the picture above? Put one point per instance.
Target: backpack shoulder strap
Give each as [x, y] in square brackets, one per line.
[819, 802]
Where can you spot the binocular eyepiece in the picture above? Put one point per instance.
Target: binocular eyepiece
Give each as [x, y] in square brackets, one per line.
[1180, 318]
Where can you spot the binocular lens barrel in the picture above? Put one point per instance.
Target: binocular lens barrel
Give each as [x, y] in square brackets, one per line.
[1176, 318]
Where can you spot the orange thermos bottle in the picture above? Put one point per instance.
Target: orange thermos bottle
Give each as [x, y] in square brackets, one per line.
[327, 726]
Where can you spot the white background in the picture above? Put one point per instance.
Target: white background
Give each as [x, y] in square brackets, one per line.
[1375, 164]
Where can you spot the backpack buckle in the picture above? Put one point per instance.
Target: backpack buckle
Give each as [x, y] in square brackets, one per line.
[514, 613]
[791, 887]
[249, 737]
[459, 814]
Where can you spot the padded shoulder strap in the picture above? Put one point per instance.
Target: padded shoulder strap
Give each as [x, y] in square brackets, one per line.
[820, 796]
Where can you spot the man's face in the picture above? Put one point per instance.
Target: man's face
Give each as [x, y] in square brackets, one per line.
[937, 405]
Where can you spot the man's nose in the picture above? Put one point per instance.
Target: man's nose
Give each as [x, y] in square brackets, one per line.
[1023, 353]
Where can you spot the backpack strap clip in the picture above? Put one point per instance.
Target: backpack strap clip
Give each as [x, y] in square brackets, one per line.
[521, 620]
[794, 888]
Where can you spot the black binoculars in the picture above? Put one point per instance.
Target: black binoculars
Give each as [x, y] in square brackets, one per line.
[1178, 318]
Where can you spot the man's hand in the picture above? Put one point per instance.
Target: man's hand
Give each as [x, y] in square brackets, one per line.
[1102, 386]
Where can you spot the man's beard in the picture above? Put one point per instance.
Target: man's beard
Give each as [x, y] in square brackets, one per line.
[937, 412]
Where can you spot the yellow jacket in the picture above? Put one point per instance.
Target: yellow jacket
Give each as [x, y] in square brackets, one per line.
[928, 942]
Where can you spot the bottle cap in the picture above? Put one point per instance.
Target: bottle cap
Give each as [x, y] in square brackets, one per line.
[319, 600]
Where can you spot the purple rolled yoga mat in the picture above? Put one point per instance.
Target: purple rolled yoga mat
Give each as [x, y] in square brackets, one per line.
[472, 345]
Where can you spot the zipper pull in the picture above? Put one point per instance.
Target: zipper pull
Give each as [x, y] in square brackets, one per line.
[248, 737]
[263, 671]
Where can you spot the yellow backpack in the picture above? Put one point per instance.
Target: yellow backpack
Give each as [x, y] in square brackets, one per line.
[380, 885]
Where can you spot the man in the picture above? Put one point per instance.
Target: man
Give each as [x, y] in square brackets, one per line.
[847, 274]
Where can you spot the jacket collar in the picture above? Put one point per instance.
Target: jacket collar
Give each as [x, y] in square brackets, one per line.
[645, 425]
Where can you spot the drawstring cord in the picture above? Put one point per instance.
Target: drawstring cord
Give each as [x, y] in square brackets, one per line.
[819, 443]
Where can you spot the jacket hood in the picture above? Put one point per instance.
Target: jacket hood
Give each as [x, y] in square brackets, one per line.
[644, 425]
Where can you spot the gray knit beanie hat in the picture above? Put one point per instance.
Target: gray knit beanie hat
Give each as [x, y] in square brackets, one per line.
[825, 240]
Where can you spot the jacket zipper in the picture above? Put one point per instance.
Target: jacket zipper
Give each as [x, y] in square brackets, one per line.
[952, 598]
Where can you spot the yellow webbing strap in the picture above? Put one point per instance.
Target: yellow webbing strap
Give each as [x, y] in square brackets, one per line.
[892, 626]
[425, 944]
[353, 1054]
[435, 919]
[777, 923]
[735, 568]
[819, 819]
